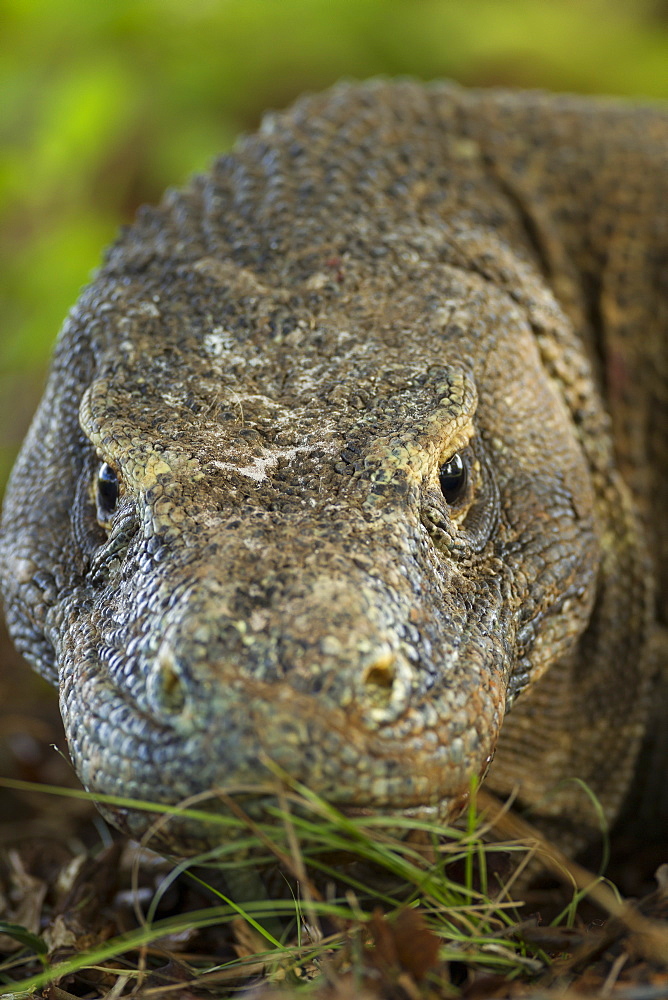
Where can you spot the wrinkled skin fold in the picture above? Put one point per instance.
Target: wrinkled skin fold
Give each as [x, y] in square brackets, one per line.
[325, 477]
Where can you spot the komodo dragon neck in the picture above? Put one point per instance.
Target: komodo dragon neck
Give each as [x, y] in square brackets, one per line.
[350, 448]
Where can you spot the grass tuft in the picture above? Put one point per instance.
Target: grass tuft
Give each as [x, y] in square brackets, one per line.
[312, 894]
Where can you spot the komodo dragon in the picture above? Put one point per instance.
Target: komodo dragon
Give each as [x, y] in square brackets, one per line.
[356, 444]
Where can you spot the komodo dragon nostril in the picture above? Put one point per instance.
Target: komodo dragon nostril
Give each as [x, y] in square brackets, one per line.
[165, 685]
[378, 680]
[387, 683]
[380, 674]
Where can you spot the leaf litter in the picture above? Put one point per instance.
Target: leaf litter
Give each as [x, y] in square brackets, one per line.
[101, 917]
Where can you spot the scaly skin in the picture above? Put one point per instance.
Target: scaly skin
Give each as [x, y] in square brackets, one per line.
[276, 366]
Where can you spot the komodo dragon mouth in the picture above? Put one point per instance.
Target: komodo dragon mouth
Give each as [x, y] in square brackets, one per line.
[316, 485]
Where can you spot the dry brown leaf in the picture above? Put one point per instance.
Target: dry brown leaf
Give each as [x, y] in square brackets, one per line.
[248, 941]
[25, 898]
[661, 876]
[403, 952]
[416, 945]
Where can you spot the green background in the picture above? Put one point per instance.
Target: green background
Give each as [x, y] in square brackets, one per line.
[104, 103]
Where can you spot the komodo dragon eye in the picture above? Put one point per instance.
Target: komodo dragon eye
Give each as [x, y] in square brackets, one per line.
[453, 477]
[107, 493]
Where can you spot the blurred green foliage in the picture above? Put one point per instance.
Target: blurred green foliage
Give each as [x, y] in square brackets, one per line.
[103, 104]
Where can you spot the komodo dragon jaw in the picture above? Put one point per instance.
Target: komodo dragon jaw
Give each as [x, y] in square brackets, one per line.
[321, 479]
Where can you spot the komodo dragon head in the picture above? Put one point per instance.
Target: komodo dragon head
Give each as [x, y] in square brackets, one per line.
[305, 489]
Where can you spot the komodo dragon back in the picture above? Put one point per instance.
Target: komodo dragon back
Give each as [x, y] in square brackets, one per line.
[349, 462]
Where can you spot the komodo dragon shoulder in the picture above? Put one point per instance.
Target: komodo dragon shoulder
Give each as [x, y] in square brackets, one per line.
[352, 460]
